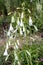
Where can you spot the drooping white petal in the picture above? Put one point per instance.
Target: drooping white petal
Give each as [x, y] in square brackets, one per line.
[11, 27]
[16, 46]
[21, 33]
[30, 21]
[5, 53]
[35, 28]
[19, 63]
[18, 22]
[18, 42]
[6, 45]
[12, 19]
[24, 29]
[21, 23]
[22, 14]
[8, 33]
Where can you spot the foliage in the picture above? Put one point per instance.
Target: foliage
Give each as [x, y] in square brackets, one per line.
[28, 55]
[27, 16]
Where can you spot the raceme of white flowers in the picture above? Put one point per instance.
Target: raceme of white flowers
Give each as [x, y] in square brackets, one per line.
[30, 21]
[20, 26]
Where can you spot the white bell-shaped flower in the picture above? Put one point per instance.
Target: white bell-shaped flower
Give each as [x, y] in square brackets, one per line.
[8, 33]
[22, 14]
[7, 45]
[24, 29]
[18, 42]
[16, 46]
[19, 63]
[11, 27]
[5, 53]
[30, 21]
[21, 23]
[21, 32]
[12, 19]
[18, 22]
[35, 28]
